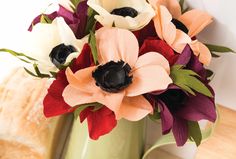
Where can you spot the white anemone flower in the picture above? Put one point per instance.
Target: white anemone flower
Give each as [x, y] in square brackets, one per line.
[126, 14]
[52, 45]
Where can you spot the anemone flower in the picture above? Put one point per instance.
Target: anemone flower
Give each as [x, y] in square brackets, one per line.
[52, 45]
[192, 22]
[177, 107]
[128, 14]
[121, 78]
[100, 122]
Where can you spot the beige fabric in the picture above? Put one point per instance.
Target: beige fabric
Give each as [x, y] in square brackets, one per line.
[24, 131]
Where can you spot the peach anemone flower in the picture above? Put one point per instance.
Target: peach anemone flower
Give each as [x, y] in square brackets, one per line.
[122, 77]
[194, 20]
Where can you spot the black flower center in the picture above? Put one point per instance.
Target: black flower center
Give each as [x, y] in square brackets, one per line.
[59, 54]
[125, 11]
[179, 25]
[174, 99]
[113, 76]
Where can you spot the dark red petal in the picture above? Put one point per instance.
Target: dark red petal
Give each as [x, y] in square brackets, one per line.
[160, 47]
[147, 32]
[100, 122]
[166, 118]
[54, 103]
[180, 131]
[84, 60]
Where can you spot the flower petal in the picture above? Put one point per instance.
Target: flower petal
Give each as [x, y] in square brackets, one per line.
[152, 58]
[67, 36]
[134, 108]
[198, 108]
[121, 45]
[180, 131]
[166, 118]
[100, 122]
[111, 100]
[105, 7]
[75, 97]
[82, 79]
[202, 51]
[53, 103]
[195, 20]
[181, 40]
[172, 5]
[147, 79]
[154, 45]
[165, 29]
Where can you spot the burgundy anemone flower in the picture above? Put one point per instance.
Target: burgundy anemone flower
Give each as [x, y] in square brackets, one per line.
[100, 122]
[77, 21]
[177, 107]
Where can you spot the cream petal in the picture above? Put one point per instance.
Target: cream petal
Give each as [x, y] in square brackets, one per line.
[121, 45]
[82, 79]
[134, 108]
[104, 7]
[147, 79]
[75, 97]
[66, 34]
[195, 20]
[111, 100]
[152, 58]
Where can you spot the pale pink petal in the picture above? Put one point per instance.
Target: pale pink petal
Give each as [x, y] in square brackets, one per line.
[172, 5]
[165, 29]
[168, 28]
[116, 44]
[74, 97]
[195, 20]
[111, 100]
[180, 41]
[134, 108]
[148, 79]
[82, 79]
[152, 58]
[202, 52]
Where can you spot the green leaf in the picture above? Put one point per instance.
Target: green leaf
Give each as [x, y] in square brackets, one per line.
[93, 46]
[187, 80]
[219, 49]
[91, 22]
[156, 115]
[75, 3]
[39, 74]
[84, 106]
[30, 73]
[209, 73]
[214, 55]
[181, 3]
[195, 132]
[19, 55]
[45, 19]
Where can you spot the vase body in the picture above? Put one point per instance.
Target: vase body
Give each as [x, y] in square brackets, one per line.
[126, 141]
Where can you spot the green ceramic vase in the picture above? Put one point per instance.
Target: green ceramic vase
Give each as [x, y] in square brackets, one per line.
[126, 141]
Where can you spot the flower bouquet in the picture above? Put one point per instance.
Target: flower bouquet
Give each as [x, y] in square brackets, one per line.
[116, 63]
